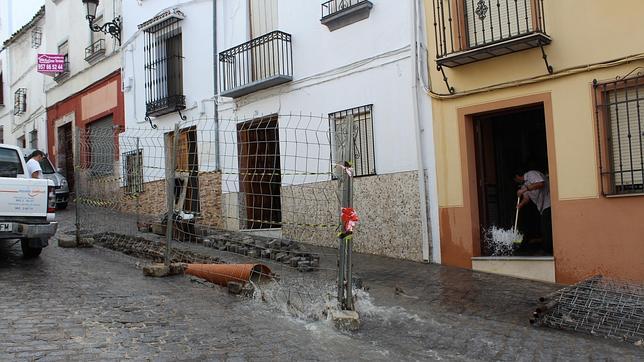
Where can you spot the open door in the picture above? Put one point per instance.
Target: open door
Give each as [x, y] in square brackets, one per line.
[186, 169]
[260, 178]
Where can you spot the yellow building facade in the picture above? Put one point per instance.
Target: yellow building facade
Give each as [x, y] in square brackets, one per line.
[550, 85]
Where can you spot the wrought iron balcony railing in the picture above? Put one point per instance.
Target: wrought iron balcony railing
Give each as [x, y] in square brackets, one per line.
[339, 13]
[258, 64]
[467, 31]
[64, 74]
[95, 51]
[164, 105]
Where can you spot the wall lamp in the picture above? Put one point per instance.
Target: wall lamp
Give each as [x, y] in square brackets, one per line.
[113, 28]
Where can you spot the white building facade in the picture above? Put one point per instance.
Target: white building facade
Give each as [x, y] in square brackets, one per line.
[307, 65]
[167, 62]
[87, 95]
[23, 118]
[257, 88]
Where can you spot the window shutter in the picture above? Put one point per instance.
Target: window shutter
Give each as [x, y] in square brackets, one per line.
[263, 17]
[626, 136]
[502, 19]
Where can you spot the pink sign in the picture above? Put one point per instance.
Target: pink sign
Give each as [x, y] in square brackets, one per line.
[51, 63]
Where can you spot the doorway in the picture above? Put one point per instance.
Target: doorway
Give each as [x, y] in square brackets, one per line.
[65, 157]
[186, 169]
[260, 178]
[506, 141]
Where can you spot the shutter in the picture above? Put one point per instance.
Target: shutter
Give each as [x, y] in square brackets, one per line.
[626, 136]
[512, 17]
[101, 138]
[263, 17]
[265, 54]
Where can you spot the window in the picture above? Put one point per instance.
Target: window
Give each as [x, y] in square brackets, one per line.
[164, 68]
[133, 171]
[63, 49]
[95, 36]
[9, 162]
[20, 101]
[365, 163]
[620, 110]
[100, 136]
[33, 139]
[36, 37]
[21, 142]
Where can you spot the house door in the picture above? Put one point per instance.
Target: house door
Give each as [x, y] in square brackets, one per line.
[506, 141]
[260, 178]
[65, 156]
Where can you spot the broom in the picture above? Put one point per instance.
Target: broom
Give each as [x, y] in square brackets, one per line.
[518, 237]
[501, 240]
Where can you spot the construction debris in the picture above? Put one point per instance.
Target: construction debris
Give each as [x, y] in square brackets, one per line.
[597, 306]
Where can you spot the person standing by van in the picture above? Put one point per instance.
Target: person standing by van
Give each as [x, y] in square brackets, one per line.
[33, 165]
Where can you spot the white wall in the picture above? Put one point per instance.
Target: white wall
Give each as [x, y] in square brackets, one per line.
[19, 71]
[66, 22]
[367, 62]
[197, 80]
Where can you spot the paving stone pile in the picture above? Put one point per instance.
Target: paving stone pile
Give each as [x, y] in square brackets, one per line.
[284, 251]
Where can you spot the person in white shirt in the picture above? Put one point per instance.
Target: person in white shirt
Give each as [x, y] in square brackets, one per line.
[33, 165]
[535, 188]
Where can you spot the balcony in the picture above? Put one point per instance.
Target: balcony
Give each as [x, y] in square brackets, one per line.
[59, 77]
[165, 105]
[468, 31]
[340, 13]
[258, 64]
[95, 51]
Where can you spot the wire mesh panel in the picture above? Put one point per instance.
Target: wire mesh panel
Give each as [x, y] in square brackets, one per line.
[250, 190]
[597, 306]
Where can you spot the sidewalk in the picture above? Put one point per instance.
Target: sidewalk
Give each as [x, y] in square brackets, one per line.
[420, 308]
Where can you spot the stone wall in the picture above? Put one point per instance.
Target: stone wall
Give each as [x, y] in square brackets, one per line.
[388, 207]
[107, 192]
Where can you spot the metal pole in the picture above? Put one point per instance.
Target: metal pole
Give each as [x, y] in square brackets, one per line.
[138, 168]
[170, 175]
[77, 164]
[345, 295]
[348, 202]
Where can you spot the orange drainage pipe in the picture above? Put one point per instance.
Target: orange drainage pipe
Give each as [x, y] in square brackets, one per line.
[223, 273]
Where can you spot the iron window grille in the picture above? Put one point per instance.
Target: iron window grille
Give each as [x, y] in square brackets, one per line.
[620, 131]
[95, 50]
[466, 25]
[332, 7]
[20, 101]
[164, 68]
[262, 62]
[36, 37]
[363, 140]
[133, 171]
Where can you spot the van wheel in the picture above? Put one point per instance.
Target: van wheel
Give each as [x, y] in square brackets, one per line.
[28, 251]
[61, 206]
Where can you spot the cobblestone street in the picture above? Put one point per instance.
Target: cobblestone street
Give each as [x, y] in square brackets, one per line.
[95, 304]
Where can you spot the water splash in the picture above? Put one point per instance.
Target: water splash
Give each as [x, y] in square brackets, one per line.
[502, 242]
